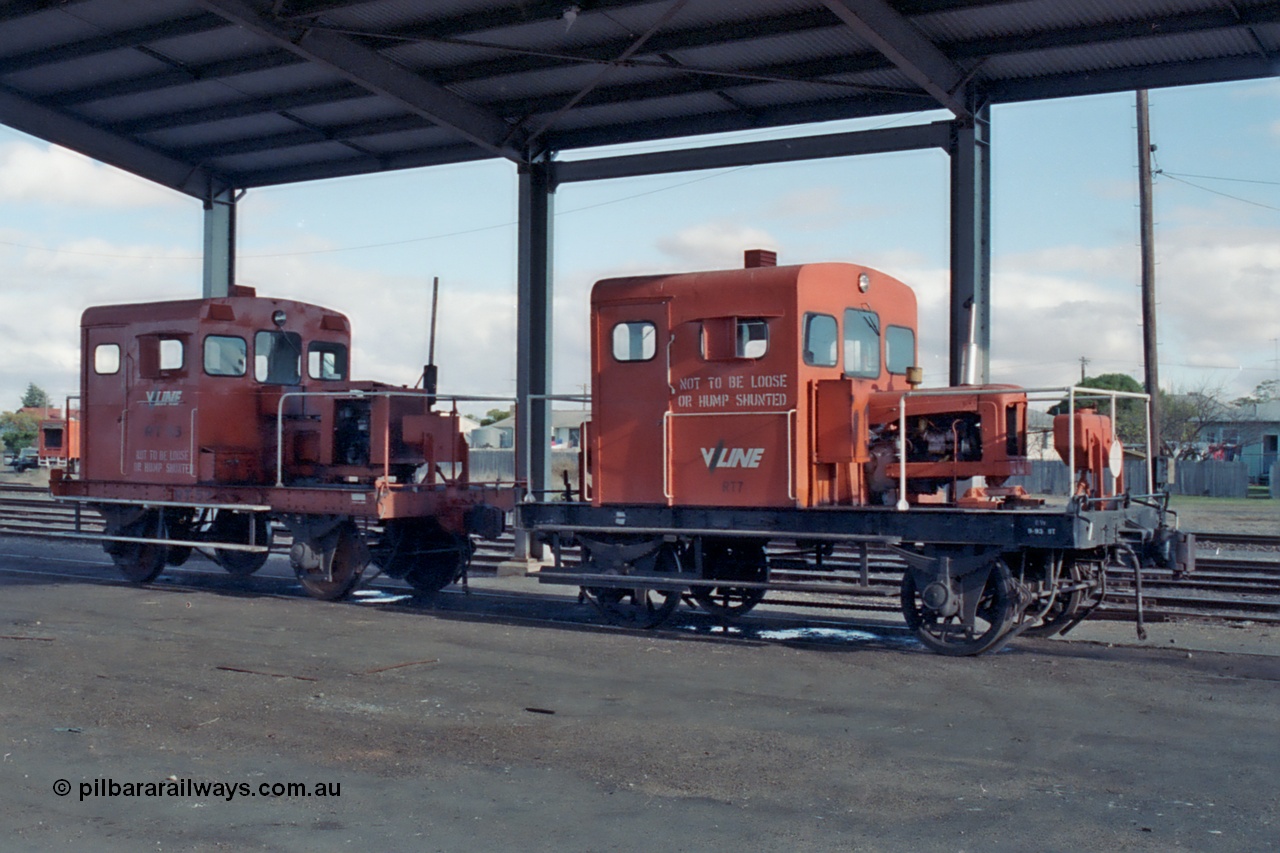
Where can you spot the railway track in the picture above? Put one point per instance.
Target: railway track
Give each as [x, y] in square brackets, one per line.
[1242, 584]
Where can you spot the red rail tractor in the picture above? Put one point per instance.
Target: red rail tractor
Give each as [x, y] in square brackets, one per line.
[735, 410]
[58, 439]
[203, 420]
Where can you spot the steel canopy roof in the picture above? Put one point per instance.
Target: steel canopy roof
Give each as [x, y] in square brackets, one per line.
[209, 95]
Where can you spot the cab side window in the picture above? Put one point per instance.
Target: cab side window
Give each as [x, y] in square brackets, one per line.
[726, 338]
[899, 349]
[106, 359]
[635, 341]
[225, 355]
[161, 355]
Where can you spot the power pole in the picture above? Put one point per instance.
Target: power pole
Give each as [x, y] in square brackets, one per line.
[1149, 346]
[1084, 362]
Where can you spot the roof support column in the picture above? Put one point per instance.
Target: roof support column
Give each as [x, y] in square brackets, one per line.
[533, 326]
[220, 243]
[971, 249]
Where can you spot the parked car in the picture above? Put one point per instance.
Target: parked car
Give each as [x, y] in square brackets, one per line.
[26, 459]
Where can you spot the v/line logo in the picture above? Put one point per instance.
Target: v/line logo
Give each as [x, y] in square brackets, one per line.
[164, 398]
[731, 457]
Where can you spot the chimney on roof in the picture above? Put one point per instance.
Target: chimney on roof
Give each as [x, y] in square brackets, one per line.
[760, 258]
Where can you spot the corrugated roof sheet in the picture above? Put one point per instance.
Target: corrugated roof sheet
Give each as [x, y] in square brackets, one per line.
[237, 93]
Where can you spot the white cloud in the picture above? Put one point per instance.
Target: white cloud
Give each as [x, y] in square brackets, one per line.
[713, 245]
[52, 175]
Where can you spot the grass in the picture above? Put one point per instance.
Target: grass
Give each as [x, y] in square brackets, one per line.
[1227, 515]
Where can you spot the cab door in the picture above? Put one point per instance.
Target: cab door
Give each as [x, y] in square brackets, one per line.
[103, 386]
[159, 408]
[631, 396]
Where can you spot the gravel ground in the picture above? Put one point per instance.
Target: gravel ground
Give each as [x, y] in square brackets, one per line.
[444, 732]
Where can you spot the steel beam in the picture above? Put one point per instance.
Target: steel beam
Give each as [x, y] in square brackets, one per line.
[533, 326]
[378, 75]
[914, 138]
[219, 243]
[42, 122]
[971, 249]
[905, 46]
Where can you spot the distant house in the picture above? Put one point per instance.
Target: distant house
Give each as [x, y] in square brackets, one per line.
[1249, 433]
[566, 429]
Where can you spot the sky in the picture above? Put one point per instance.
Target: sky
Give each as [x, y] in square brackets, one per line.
[1065, 245]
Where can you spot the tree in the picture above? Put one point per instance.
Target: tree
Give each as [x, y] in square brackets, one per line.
[1131, 417]
[35, 398]
[18, 430]
[495, 415]
[1184, 418]
[1267, 391]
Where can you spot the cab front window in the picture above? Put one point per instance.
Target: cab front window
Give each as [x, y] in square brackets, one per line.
[277, 358]
[861, 343]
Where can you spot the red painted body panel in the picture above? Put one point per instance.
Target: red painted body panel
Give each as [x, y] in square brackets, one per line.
[230, 401]
[706, 419]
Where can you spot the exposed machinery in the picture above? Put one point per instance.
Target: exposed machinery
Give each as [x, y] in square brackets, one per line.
[205, 421]
[735, 410]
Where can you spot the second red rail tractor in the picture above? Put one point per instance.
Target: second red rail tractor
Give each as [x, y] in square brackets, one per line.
[204, 420]
[739, 412]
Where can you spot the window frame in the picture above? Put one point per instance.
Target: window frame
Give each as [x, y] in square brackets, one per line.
[277, 334]
[888, 350]
[244, 352]
[322, 348]
[97, 358]
[860, 314]
[643, 324]
[807, 351]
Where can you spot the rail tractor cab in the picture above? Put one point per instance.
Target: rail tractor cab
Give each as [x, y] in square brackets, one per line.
[779, 387]
[769, 419]
[58, 439]
[205, 419]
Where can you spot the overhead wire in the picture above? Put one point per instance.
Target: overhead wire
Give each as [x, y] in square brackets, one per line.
[1173, 177]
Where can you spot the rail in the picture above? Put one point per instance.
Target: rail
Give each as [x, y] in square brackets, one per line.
[1239, 585]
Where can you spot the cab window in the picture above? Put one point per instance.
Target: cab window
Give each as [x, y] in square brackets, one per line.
[106, 359]
[899, 349]
[225, 355]
[326, 361]
[277, 358]
[821, 340]
[861, 343]
[753, 339]
[725, 338]
[161, 355]
[635, 341]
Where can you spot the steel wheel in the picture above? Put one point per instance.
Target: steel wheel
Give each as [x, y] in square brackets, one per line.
[234, 527]
[732, 561]
[428, 557]
[634, 608]
[140, 562]
[640, 607]
[977, 619]
[440, 562]
[342, 550]
[1064, 609]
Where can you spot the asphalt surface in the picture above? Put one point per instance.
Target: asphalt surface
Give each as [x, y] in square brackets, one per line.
[511, 720]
